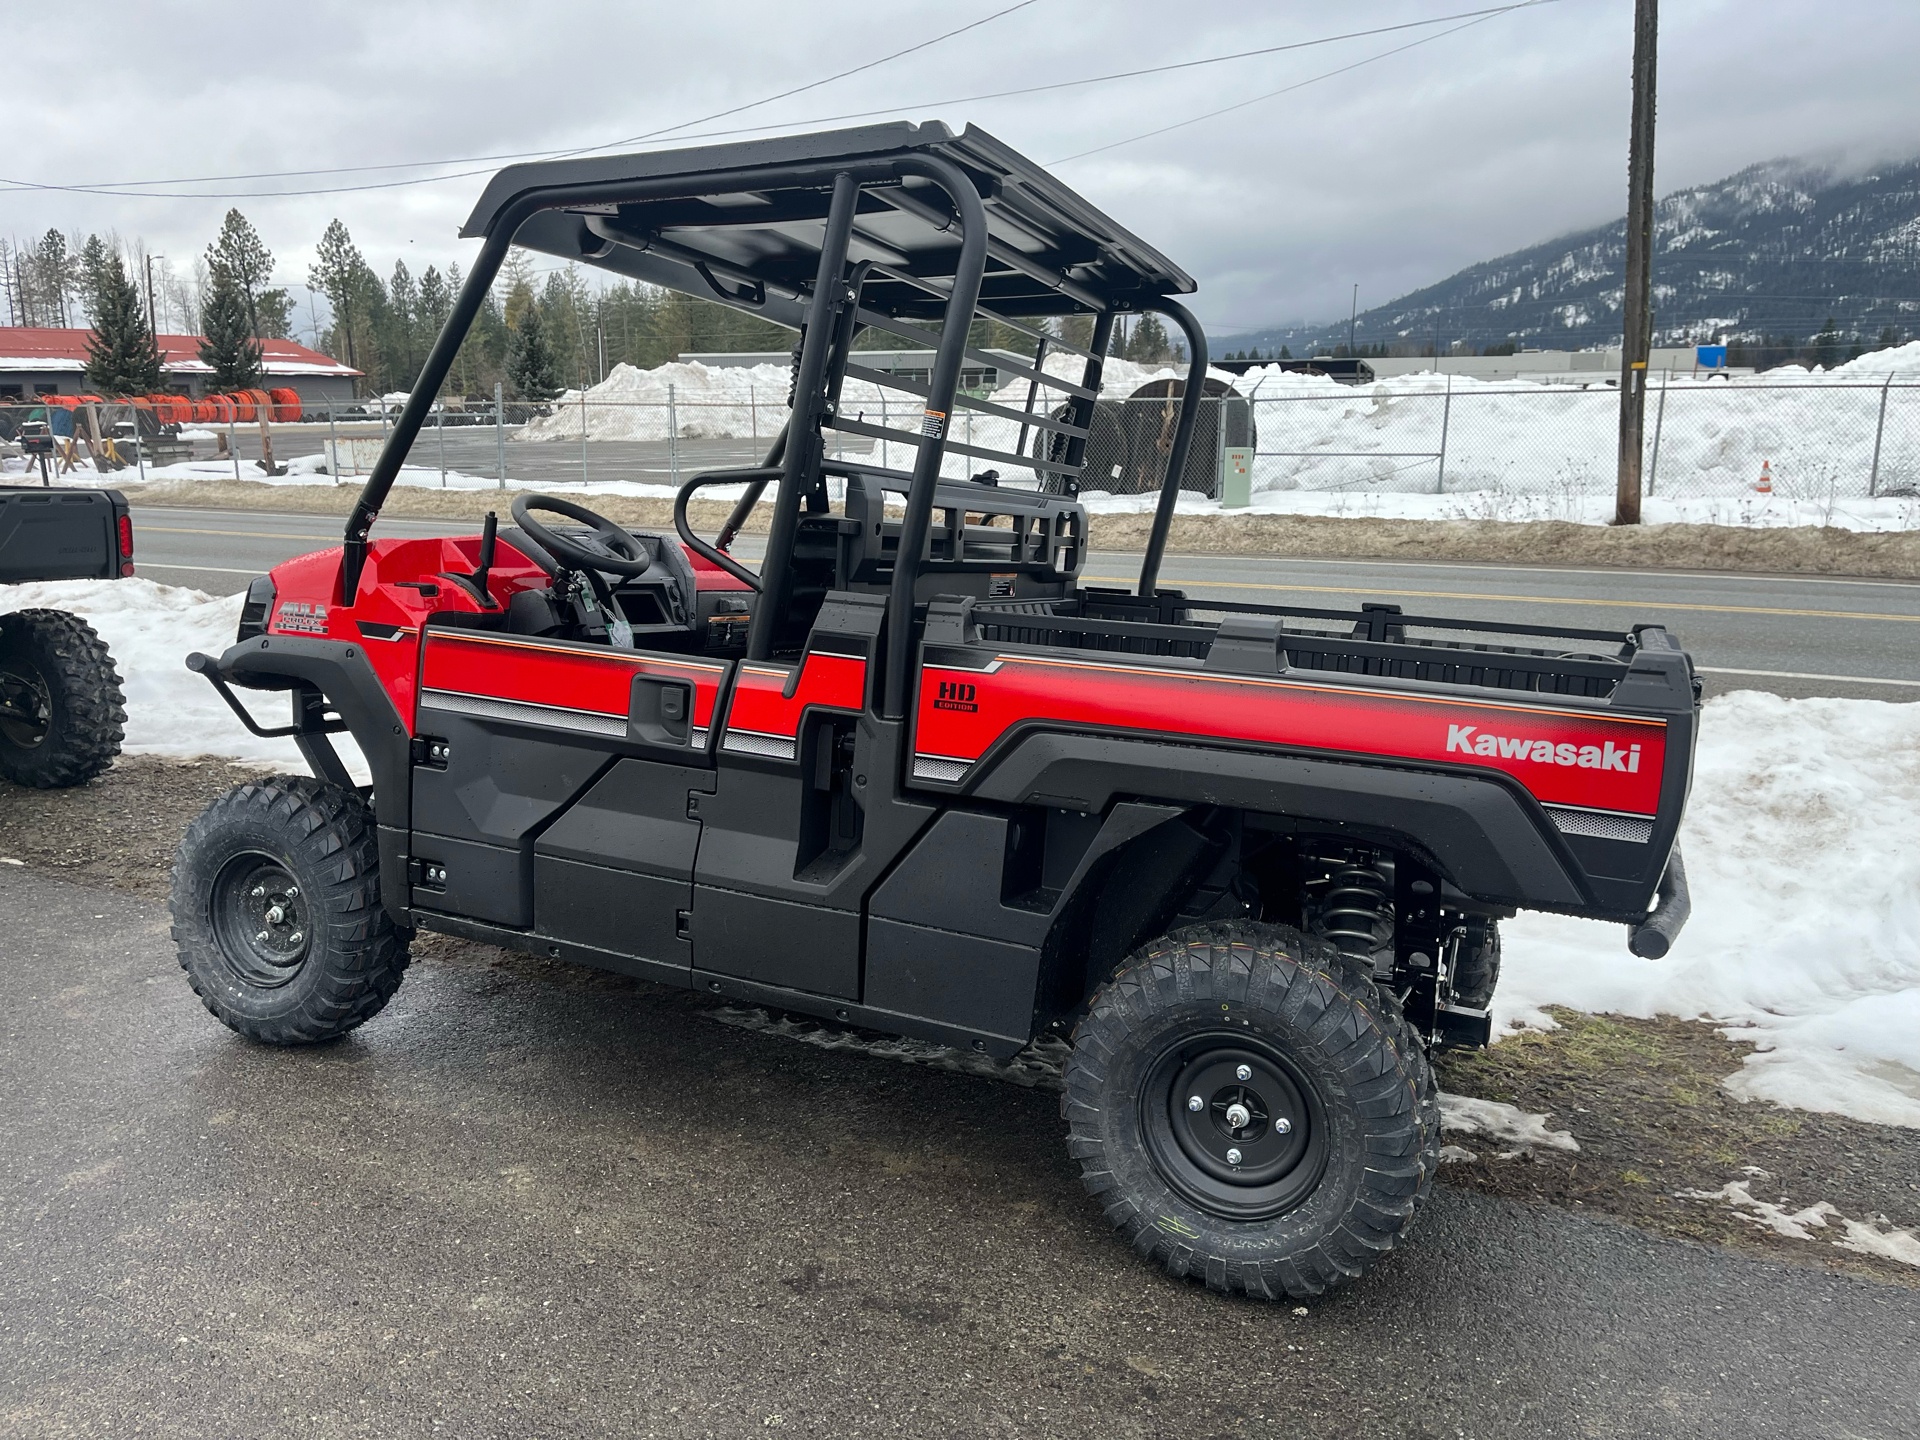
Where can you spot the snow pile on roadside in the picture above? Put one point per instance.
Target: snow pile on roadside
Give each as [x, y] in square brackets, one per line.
[739, 402]
[1762, 512]
[1498, 1120]
[1876, 1236]
[1805, 935]
[150, 630]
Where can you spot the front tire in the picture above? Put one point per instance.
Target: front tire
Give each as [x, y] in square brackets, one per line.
[1317, 1132]
[277, 913]
[62, 712]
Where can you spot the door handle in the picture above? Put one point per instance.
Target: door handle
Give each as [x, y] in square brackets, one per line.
[660, 711]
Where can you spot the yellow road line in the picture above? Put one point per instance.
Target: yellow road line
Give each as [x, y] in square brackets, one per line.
[1646, 605]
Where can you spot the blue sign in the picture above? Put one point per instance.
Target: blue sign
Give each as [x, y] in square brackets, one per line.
[1710, 357]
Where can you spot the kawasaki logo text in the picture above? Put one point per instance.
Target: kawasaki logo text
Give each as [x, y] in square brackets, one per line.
[1462, 740]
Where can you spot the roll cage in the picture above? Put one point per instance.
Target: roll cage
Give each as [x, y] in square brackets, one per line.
[899, 228]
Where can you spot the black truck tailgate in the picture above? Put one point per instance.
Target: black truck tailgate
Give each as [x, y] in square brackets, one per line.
[62, 535]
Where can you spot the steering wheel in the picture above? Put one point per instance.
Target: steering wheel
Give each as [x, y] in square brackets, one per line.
[608, 550]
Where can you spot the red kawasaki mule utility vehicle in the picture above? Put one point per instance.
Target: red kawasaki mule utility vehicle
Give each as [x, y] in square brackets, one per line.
[911, 775]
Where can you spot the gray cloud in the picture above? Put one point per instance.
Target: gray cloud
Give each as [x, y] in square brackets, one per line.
[1390, 176]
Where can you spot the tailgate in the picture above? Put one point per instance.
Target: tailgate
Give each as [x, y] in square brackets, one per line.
[59, 534]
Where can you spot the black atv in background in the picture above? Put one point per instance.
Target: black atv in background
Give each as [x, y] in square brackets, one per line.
[62, 713]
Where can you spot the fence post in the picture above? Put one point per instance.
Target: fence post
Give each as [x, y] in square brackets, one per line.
[139, 454]
[1659, 422]
[753, 415]
[1446, 420]
[333, 446]
[1220, 450]
[583, 429]
[500, 432]
[883, 425]
[440, 431]
[1879, 429]
[673, 435]
[233, 446]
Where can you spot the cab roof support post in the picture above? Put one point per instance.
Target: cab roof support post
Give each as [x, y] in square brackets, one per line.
[803, 424]
[1081, 407]
[433, 374]
[942, 382]
[1182, 439]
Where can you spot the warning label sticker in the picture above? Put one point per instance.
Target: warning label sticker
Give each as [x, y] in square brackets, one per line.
[933, 423]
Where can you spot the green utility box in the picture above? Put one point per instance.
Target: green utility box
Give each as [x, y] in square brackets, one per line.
[1236, 477]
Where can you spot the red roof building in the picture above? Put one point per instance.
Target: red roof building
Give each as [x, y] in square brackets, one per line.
[53, 362]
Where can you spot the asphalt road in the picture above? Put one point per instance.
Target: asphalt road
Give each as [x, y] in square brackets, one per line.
[532, 1201]
[1793, 635]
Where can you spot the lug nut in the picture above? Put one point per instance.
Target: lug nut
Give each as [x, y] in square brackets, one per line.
[296, 937]
[1195, 1103]
[1233, 1157]
[1283, 1126]
[292, 890]
[259, 892]
[1244, 1072]
[261, 937]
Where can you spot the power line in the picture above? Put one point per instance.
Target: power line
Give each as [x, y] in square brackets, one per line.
[106, 187]
[118, 187]
[1480, 18]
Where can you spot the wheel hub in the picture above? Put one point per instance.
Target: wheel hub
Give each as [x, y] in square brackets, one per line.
[1255, 1143]
[260, 920]
[26, 706]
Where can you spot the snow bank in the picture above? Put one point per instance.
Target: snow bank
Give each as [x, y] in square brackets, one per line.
[1805, 936]
[150, 630]
[1800, 845]
[748, 401]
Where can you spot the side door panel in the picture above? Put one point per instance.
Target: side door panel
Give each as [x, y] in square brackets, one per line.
[787, 844]
[513, 731]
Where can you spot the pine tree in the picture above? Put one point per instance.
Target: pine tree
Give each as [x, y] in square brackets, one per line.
[122, 358]
[93, 264]
[397, 339]
[532, 371]
[339, 272]
[239, 251]
[1148, 342]
[229, 346]
[1826, 345]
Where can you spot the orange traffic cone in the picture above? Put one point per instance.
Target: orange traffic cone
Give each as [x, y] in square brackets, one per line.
[1764, 485]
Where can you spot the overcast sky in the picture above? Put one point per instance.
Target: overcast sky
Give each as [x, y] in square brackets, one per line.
[1392, 175]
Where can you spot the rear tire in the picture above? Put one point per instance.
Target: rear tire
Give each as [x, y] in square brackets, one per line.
[62, 712]
[1262, 1025]
[277, 913]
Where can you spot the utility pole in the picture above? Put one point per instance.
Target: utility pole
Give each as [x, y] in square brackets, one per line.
[1637, 311]
[152, 328]
[1353, 316]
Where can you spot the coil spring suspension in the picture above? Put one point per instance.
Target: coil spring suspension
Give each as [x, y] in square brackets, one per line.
[1359, 897]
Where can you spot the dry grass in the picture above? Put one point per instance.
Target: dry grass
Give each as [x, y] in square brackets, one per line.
[1805, 550]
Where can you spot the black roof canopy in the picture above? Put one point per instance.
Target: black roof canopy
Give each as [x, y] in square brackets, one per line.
[757, 247]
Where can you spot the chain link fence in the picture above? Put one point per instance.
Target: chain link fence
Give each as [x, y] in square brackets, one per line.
[1811, 439]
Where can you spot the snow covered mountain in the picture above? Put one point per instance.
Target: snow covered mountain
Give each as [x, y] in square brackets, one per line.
[1770, 252]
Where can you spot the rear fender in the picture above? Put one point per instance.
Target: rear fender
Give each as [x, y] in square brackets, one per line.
[1479, 834]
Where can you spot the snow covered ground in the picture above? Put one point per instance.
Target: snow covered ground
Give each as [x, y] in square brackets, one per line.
[1514, 451]
[150, 630]
[1800, 846]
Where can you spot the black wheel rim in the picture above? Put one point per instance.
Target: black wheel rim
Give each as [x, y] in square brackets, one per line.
[1256, 1145]
[260, 916]
[26, 705]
